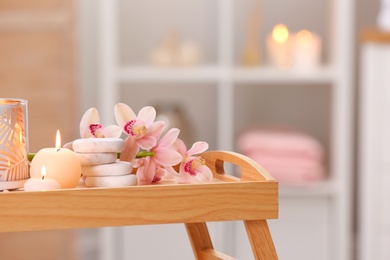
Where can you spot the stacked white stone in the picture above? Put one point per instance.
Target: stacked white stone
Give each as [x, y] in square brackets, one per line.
[100, 167]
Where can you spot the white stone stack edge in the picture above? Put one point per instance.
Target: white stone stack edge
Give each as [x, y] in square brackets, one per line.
[100, 167]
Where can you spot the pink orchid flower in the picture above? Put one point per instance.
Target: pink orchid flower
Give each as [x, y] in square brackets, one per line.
[148, 171]
[90, 126]
[141, 127]
[193, 169]
[152, 168]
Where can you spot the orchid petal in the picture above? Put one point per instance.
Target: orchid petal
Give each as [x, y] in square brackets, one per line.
[147, 114]
[91, 116]
[171, 170]
[147, 142]
[141, 176]
[156, 129]
[204, 174]
[130, 150]
[169, 138]
[184, 176]
[160, 172]
[150, 169]
[180, 146]
[198, 147]
[113, 131]
[145, 174]
[123, 114]
[166, 156]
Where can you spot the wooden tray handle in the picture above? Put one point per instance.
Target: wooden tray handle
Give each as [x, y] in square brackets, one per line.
[250, 169]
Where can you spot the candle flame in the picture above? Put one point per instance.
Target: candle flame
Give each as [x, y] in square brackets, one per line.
[304, 37]
[43, 172]
[280, 33]
[58, 140]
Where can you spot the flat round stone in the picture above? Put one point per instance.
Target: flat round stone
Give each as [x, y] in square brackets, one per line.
[98, 145]
[111, 169]
[89, 159]
[112, 181]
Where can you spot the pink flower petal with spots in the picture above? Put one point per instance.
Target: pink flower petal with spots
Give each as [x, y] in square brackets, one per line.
[184, 177]
[123, 114]
[91, 116]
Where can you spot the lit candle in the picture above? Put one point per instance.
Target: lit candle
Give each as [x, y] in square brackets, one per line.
[307, 50]
[279, 45]
[35, 184]
[61, 165]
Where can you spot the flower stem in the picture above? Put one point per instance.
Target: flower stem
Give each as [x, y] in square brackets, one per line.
[144, 154]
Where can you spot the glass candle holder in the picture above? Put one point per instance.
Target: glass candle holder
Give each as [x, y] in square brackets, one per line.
[14, 167]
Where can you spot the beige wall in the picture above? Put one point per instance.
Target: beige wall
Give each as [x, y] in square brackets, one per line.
[38, 63]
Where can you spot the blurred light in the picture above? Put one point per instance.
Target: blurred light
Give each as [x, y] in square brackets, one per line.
[304, 37]
[280, 33]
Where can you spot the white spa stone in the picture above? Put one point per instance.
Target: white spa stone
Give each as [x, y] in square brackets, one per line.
[98, 145]
[89, 159]
[111, 181]
[112, 169]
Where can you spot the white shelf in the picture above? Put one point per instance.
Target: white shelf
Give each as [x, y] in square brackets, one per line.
[272, 75]
[168, 74]
[210, 73]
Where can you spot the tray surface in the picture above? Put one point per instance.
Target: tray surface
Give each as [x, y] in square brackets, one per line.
[253, 196]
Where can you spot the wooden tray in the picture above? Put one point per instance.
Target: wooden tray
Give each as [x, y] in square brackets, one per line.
[253, 198]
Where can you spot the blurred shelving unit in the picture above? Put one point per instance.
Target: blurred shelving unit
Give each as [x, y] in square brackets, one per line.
[315, 220]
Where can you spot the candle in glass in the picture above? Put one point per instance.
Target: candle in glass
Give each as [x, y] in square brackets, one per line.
[14, 143]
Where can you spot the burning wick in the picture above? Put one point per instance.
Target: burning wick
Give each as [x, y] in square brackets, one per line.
[43, 172]
[58, 141]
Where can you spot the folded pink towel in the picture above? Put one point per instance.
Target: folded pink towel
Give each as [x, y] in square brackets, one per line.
[290, 156]
[280, 143]
[290, 169]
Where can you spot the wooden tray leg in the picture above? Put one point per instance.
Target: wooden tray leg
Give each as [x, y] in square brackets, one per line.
[260, 238]
[201, 243]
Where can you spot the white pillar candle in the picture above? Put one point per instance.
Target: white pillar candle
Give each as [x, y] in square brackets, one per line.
[307, 51]
[42, 184]
[61, 165]
[279, 45]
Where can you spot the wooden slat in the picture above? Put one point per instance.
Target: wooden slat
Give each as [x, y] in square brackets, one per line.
[250, 169]
[199, 237]
[211, 254]
[260, 238]
[159, 204]
[201, 243]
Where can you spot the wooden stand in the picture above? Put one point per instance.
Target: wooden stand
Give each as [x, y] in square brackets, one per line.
[253, 199]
